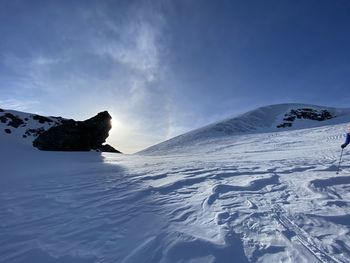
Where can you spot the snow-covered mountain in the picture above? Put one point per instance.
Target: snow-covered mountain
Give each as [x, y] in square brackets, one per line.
[273, 118]
[271, 196]
[23, 128]
[55, 133]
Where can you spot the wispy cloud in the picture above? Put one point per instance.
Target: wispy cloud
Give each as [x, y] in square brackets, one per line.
[99, 60]
[20, 105]
[138, 51]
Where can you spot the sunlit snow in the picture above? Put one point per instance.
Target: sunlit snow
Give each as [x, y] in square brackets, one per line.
[257, 197]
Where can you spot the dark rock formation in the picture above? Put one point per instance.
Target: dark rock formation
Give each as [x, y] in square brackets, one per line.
[13, 121]
[108, 148]
[59, 134]
[76, 135]
[284, 125]
[305, 113]
[34, 132]
[41, 119]
[310, 114]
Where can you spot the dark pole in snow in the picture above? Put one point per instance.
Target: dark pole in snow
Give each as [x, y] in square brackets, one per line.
[341, 155]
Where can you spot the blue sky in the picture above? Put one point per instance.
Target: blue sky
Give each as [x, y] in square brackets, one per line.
[162, 68]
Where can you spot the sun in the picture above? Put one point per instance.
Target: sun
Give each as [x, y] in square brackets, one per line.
[116, 125]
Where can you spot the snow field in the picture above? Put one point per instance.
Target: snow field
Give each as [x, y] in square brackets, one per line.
[270, 197]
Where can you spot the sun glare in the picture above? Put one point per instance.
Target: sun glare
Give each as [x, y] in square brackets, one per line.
[115, 123]
[117, 126]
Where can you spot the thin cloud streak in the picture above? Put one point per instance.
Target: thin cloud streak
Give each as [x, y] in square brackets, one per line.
[118, 67]
[166, 67]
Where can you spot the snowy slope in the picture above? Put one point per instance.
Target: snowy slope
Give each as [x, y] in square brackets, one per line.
[264, 119]
[22, 128]
[255, 197]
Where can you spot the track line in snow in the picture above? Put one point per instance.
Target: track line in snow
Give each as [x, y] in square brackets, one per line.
[293, 230]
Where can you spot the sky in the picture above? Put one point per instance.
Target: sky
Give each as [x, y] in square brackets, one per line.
[162, 68]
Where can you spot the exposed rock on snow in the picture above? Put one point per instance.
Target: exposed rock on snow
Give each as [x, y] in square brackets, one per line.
[67, 135]
[41, 119]
[34, 132]
[108, 148]
[76, 135]
[27, 124]
[305, 113]
[272, 118]
[11, 120]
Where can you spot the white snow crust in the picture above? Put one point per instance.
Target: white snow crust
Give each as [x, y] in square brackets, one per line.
[271, 196]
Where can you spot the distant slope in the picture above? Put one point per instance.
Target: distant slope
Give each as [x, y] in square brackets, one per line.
[273, 118]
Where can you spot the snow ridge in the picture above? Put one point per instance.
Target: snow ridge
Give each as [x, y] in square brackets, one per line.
[270, 118]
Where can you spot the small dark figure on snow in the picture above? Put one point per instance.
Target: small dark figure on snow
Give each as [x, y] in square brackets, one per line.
[347, 140]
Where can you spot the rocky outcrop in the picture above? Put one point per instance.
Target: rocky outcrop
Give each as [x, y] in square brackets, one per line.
[76, 135]
[304, 113]
[42, 119]
[108, 148]
[57, 133]
[12, 120]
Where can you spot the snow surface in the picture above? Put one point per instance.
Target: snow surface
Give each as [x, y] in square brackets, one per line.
[264, 119]
[258, 197]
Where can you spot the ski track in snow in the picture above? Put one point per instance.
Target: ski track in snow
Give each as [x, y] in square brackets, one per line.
[272, 197]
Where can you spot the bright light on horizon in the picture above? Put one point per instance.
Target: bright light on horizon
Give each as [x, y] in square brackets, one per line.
[122, 135]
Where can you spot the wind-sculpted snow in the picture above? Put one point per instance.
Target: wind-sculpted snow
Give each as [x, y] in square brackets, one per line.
[272, 197]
